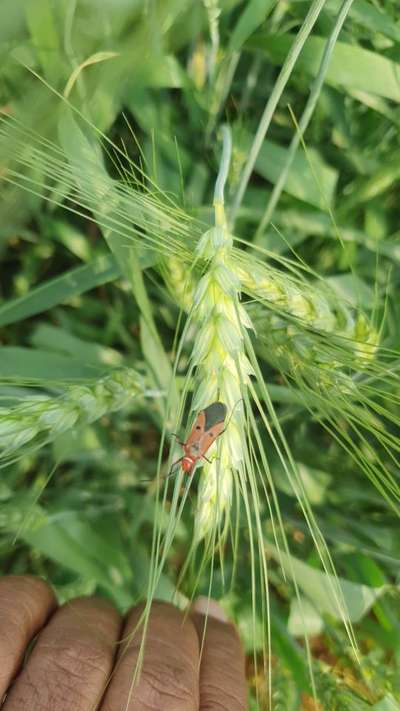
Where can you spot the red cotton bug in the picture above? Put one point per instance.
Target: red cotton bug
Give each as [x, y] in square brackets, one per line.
[209, 424]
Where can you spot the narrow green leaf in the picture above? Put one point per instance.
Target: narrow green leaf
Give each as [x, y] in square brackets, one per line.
[41, 21]
[290, 653]
[70, 236]
[365, 189]
[57, 339]
[351, 66]
[251, 18]
[93, 59]
[353, 289]
[314, 481]
[73, 543]
[314, 184]
[29, 363]
[304, 619]
[342, 599]
[57, 291]
[106, 200]
[370, 16]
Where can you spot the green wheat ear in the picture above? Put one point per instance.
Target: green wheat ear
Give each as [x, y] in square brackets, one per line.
[39, 419]
[222, 367]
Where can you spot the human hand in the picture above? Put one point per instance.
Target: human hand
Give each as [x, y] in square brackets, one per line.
[81, 660]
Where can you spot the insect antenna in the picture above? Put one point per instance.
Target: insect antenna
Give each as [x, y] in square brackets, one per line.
[230, 416]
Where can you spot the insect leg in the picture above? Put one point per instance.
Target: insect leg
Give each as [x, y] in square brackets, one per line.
[177, 438]
[178, 461]
[162, 478]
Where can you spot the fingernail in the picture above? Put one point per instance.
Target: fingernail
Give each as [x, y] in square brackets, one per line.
[207, 606]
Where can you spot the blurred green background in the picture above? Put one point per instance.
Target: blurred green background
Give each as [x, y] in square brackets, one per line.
[157, 79]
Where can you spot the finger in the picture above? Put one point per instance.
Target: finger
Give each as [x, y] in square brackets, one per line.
[25, 604]
[222, 662]
[71, 663]
[169, 677]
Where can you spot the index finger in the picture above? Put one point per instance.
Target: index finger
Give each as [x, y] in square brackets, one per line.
[25, 604]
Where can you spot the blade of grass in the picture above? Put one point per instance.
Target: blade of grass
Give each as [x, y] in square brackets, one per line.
[306, 117]
[60, 289]
[284, 75]
[351, 66]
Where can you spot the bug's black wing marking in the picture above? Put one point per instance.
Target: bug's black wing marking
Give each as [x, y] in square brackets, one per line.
[214, 414]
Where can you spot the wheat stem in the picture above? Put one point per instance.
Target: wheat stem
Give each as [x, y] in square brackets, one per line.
[213, 12]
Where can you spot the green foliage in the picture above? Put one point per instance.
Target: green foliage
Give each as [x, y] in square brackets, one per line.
[125, 307]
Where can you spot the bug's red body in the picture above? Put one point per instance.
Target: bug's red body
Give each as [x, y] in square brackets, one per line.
[209, 424]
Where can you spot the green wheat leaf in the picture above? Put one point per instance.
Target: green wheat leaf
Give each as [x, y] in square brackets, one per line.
[60, 289]
[351, 66]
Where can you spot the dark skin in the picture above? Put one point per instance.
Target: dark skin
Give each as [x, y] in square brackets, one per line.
[81, 660]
